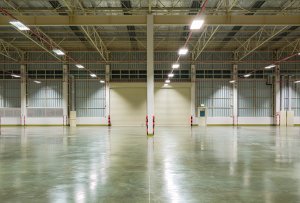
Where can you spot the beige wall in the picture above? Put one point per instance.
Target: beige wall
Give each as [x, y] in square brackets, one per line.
[128, 104]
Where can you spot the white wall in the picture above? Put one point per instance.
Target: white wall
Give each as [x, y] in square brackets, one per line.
[128, 104]
[172, 104]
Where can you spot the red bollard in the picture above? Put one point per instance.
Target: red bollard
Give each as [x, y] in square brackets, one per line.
[147, 124]
[153, 119]
[109, 123]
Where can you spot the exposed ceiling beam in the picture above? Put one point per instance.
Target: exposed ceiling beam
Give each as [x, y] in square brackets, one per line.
[262, 36]
[173, 20]
[91, 32]
[203, 40]
[96, 41]
[289, 49]
[10, 51]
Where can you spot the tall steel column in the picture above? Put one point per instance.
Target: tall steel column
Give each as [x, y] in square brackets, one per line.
[235, 95]
[107, 92]
[193, 92]
[23, 94]
[277, 95]
[150, 74]
[65, 94]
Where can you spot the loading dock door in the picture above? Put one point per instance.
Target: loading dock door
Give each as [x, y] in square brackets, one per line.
[173, 106]
[128, 106]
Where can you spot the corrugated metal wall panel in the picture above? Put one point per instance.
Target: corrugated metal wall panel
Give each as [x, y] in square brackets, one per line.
[10, 92]
[216, 95]
[254, 98]
[90, 98]
[48, 94]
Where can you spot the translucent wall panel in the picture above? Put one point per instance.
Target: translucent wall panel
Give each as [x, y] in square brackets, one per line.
[10, 93]
[254, 98]
[90, 98]
[47, 94]
[216, 95]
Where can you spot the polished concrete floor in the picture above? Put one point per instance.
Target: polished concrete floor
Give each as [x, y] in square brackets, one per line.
[120, 164]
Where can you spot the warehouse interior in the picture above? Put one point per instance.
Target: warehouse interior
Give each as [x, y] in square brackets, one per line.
[149, 100]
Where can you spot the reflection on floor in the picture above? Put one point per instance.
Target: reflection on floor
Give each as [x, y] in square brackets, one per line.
[120, 164]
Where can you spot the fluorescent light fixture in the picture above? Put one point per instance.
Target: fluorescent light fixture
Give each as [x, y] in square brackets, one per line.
[299, 53]
[102, 81]
[167, 81]
[297, 81]
[232, 81]
[93, 75]
[166, 85]
[37, 82]
[19, 25]
[15, 75]
[79, 66]
[247, 75]
[58, 52]
[175, 65]
[170, 75]
[183, 51]
[270, 66]
[196, 24]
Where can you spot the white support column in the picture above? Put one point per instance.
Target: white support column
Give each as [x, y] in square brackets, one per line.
[23, 95]
[235, 95]
[289, 82]
[107, 93]
[150, 74]
[65, 94]
[193, 92]
[277, 95]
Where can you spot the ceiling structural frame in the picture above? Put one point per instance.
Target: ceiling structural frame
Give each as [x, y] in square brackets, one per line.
[169, 20]
[204, 39]
[292, 48]
[8, 50]
[262, 36]
[90, 31]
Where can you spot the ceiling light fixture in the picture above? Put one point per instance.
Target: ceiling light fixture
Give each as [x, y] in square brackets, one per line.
[37, 82]
[19, 25]
[167, 81]
[270, 66]
[297, 81]
[58, 52]
[79, 66]
[170, 75]
[183, 51]
[15, 75]
[175, 65]
[93, 75]
[102, 81]
[196, 24]
[247, 75]
[232, 81]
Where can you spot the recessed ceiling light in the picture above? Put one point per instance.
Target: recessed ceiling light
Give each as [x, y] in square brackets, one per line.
[19, 25]
[196, 24]
[183, 51]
